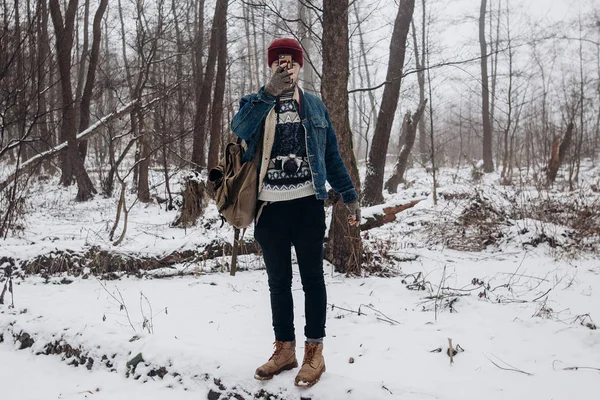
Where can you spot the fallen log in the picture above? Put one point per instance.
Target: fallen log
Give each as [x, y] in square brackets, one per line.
[380, 215]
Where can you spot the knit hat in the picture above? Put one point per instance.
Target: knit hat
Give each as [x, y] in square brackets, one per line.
[285, 46]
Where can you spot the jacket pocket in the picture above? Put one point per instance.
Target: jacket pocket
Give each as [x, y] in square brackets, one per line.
[320, 126]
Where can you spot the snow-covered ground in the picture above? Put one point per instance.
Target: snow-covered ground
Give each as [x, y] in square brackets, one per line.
[29, 377]
[522, 313]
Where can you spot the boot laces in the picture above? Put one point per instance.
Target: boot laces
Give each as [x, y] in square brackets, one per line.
[278, 350]
[310, 353]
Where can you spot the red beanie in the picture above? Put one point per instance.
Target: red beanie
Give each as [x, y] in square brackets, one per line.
[285, 46]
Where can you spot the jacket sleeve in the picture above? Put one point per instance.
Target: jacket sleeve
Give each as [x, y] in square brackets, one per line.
[253, 110]
[337, 174]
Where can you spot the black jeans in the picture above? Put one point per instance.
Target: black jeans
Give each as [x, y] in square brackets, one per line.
[300, 222]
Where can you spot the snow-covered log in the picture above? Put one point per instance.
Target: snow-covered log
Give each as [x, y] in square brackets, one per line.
[380, 215]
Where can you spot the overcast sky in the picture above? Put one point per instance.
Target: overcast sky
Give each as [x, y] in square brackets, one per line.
[454, 37]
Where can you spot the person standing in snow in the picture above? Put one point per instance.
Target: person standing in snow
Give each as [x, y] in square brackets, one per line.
[299, 154]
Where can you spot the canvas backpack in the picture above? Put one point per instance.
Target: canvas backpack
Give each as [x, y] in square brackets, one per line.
[235, 185]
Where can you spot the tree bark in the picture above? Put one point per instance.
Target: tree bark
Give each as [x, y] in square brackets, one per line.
[43, 52]
[367, 76]
[21, 103]
[420, 62]
[71, 162]
[217, 107]
[204, 99]
[179, 75]
[387, 215]
[198, 48]
[488, 157]
[86, 98]
[559, 149]
[409, 128]
[308, 75]
[344, 247]
[251, 53]
[373, 191]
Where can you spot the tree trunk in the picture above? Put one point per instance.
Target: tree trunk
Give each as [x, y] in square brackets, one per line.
[423, 150]
[559, 149]
[144, 158]
[86, 98]
[409, 128]
[344, 247]
[488, 157]
[308, 75]
[198, 48]
[71, 162]
[494, 61]
[217, 108]
[373, 191]
[203, 101]
[145, 62]
[43, 52]
[367, 76]
[21, 106]
[179, 75]
[251, 53]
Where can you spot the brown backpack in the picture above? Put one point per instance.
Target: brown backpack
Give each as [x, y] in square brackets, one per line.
[235, 185]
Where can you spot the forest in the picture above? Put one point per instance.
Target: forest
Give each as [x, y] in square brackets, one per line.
[470, 130]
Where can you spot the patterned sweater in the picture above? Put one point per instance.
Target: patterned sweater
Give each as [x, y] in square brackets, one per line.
[288, 174]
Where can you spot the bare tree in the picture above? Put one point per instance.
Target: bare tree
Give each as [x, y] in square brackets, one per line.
[217, 107]
[488, 157]
[371, 115]
[344, 247]
[86, 98]
[71, 162]
[204, 99]
[409, 131]
[304, 34]
[420, 62]
[560, 148]
[373, 190]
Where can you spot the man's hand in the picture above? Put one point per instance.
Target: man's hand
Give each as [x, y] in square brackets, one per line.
[281, 80]
[354, 213]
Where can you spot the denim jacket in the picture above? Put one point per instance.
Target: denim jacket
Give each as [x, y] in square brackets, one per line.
[322, 149]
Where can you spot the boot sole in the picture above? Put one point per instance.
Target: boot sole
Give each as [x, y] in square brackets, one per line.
[306, 385]
[285, 368]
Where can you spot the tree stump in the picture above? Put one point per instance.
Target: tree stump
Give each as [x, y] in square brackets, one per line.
[194, 195]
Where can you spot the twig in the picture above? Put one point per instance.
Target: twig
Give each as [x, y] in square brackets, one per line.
[576, 368]
[508, 369]
[518, 268]
[121, 303]
[539, 297]
[149, 324]
[438, 292]
[379, 312]
[345, 309]
[383, 387]
[450, 351]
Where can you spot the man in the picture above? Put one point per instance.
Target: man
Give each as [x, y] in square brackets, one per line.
[299, 154]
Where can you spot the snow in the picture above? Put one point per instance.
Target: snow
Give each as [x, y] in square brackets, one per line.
[220, 325]
[520, 307]
[32, 378]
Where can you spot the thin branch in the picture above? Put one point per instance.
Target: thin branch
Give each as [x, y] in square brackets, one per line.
[511, 368]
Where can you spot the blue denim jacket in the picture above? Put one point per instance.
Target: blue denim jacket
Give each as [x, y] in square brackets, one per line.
[323, 153]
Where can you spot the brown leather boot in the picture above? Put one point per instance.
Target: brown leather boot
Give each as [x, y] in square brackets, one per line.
[283, 359]
[313, 365]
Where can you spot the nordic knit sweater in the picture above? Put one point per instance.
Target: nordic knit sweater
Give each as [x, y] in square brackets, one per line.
[289, 146]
